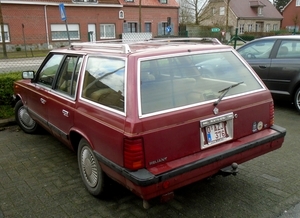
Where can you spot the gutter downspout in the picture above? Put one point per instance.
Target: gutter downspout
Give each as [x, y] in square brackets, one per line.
[46, 25]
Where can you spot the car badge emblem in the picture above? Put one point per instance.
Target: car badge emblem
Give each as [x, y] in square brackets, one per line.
[216, 110]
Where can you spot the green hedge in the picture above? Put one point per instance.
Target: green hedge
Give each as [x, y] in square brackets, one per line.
[6, 86]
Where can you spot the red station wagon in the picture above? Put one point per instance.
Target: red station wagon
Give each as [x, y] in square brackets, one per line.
[154, 116]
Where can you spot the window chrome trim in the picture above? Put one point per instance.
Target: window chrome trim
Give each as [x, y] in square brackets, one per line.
[141, 116]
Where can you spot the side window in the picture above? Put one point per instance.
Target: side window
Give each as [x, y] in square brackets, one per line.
[104, 82]
[289, 49]
[258, 49]
[67, 78]
[47, 74]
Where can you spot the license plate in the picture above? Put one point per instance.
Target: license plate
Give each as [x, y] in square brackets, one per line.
[216, 132]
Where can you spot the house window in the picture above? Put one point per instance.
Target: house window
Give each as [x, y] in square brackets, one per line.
[129, 1]
[148, 28]
[59, 32]
[222, 10]
[121, 14]
[163, 1]
[132, 27]
[107, 31]
[213, 11]
[6, 34]
[297, 2]
[268, 27]
[85, 1]
[275, 27]
[259, 11]
[162, 29]
[241, 29]
[250, 28]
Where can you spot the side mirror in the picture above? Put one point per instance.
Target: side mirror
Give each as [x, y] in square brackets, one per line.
[28, 74]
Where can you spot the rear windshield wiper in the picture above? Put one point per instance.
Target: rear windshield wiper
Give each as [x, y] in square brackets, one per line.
[224, 92]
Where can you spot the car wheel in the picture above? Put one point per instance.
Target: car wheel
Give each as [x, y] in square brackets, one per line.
[297, 99]
[91, 173]
[24, 120]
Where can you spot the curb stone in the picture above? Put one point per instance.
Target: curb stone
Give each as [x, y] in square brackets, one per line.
[7, 122]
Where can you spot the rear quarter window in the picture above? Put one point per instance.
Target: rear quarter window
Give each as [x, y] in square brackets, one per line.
[104, 82]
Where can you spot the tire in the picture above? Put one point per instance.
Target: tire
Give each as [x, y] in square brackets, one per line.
[91, 173]
[297, 99]
[24, 120]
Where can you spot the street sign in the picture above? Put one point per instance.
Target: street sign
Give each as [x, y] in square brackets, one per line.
[215, 30]
[169, 29]
[62, 12]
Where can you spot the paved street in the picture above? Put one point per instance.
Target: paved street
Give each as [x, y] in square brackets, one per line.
[39, 177]
[20, 64]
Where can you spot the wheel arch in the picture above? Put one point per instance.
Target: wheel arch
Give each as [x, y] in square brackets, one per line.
[75, 137]
[294, 90]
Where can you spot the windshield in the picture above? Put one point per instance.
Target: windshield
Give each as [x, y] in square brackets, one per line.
[172, 82]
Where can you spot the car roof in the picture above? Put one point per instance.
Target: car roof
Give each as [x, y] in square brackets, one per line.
[281, 37]
[124, 48]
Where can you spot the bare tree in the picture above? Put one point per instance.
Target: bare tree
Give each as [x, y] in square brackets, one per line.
[192, 9]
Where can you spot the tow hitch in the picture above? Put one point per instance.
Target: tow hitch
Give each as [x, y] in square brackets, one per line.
[230, 170]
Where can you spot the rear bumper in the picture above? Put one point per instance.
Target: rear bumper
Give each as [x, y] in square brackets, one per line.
[148, 185]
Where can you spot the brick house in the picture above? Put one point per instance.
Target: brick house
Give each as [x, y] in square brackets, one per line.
[291, 16]
[246, 15]
[40, 25]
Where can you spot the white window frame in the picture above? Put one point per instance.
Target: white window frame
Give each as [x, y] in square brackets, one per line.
[163, 1]
[268, 27]
[241, 29]
[6, 33]
[107, 31]
[250, 26]
[213, 10]
[275, 27]
[222, 10]
[297, 3]
[60, 29]
[259, 10]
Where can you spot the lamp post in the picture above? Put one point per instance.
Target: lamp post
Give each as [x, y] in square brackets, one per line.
[24, 39]
[227, 10]
[140, 15]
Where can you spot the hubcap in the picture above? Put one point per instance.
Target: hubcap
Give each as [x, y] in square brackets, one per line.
[25, 118]
[89, 167]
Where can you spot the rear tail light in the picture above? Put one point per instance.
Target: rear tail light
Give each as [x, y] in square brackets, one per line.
[272, 113]
[134, 154]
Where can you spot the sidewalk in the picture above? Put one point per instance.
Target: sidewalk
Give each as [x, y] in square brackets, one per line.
[293, 212]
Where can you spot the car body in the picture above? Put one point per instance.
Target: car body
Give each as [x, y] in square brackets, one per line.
[276, 60]
[150, 115]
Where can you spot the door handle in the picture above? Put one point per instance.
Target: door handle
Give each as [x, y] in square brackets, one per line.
[262, 67]
[65, 113]
[43, 101]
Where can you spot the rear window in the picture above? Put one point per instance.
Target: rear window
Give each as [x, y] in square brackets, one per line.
[172, 82]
